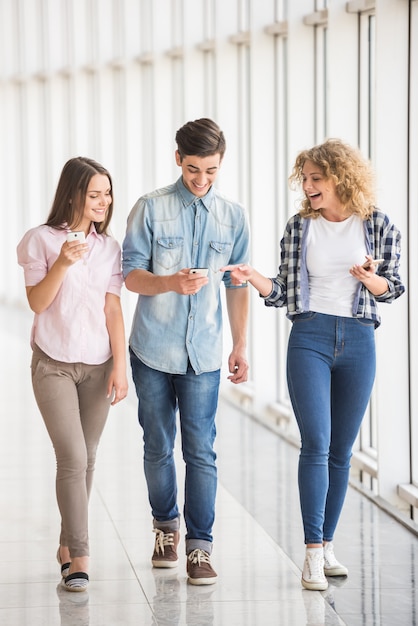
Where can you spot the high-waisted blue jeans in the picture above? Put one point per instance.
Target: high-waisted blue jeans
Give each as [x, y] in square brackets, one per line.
[196, 398]
[331, 364]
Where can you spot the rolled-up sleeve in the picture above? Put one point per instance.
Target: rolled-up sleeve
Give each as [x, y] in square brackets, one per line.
[389, 248]
[31, 255]
[137, 245]
[116, 279]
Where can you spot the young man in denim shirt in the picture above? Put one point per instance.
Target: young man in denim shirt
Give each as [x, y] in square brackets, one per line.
[176, 338]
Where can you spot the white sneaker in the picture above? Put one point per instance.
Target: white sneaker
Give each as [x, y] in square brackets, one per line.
[313, 576]
[331, 566]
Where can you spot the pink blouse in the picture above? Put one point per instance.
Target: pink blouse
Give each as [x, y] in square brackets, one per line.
[73, 328]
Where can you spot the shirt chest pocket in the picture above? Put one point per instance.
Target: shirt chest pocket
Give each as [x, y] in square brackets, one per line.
[169, 251]
[219, 254]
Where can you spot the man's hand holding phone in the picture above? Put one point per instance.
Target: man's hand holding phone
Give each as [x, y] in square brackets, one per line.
[197, 278]
[203, 271]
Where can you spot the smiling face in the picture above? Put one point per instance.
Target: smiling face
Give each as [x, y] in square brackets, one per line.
[199, 173]
[97, 202]
[320, 191]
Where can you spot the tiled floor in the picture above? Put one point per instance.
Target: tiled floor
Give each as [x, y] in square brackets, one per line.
[258, 549]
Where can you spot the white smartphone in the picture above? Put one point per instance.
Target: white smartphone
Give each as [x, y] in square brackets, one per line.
[199, 270]
[367, 264]
[77, 235]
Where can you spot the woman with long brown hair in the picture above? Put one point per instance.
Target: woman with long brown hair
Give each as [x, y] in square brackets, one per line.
[72, 269]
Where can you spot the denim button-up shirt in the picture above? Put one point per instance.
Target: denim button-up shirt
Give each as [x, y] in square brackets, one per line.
[168, 230]
[291, 285]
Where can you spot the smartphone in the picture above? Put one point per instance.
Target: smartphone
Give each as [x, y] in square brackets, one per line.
[367, 264]
[77, 235]
[203, 271]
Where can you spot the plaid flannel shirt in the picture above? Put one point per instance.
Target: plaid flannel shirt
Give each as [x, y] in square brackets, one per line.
[291, 285]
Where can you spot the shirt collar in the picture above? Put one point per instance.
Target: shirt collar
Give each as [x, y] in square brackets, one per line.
[91, 231]
[188, 198]
[68, 230]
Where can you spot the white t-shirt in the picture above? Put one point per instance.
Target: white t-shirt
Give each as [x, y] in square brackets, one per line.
[332, 248]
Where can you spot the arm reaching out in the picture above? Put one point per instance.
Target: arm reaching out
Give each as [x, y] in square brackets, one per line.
[245, 273]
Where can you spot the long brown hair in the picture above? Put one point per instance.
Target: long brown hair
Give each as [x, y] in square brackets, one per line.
[70, 196]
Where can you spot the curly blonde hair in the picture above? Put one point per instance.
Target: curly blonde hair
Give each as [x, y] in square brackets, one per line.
[352, 174]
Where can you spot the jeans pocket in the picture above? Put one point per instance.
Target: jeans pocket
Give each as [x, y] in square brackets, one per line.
[364, 321]
[38, 366]
[304, 317]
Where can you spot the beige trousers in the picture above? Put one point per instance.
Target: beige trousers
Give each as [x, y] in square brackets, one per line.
[72, 400]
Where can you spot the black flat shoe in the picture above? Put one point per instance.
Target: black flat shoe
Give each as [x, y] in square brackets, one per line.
[76, 582]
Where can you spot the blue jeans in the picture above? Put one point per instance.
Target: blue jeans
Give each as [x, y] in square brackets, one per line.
[331, 364]
[196, 398]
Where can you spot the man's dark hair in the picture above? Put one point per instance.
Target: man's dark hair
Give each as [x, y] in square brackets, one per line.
[200, 138]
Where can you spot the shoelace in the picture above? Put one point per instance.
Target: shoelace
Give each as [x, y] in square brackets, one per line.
[316, 565]
[162, 539]
[198, 556]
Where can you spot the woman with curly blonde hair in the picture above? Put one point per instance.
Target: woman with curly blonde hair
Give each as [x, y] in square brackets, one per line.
[346, 167]
[339, 258]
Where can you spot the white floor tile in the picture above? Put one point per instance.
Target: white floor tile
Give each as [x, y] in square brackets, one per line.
[258, 585]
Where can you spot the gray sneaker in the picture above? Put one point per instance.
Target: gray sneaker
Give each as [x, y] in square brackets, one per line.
[165, 549]
[199, 569]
